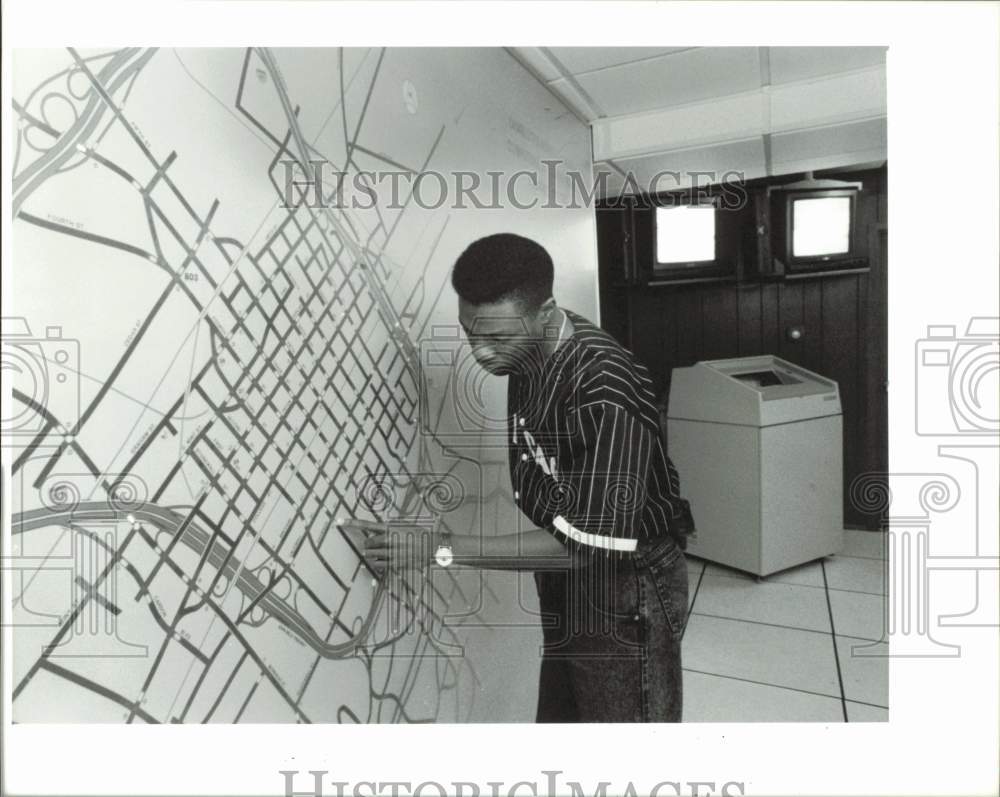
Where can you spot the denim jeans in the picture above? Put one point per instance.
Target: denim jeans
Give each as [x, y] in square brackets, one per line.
[612, 637]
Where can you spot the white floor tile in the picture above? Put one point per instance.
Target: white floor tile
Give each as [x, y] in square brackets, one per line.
[764, 602]
[865, 677]
[867, 544]
[857, 614]
[807, 575]
[715, 569]
[855, 574]
[858, 712]
[712, 698]
[767, 654]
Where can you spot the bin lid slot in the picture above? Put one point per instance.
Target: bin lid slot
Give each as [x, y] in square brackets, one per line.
[768, 378]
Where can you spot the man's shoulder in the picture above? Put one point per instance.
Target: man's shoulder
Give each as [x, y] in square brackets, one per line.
[595, 347]
[608, 372]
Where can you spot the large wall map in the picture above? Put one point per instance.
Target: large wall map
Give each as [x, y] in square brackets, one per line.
[204, 379]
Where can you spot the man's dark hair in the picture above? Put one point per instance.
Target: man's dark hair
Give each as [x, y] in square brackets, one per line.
[504, 266]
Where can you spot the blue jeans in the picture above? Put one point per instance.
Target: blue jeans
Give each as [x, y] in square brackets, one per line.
[612, 637]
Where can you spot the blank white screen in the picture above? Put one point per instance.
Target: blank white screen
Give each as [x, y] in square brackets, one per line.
[821, 226]
[685, 234]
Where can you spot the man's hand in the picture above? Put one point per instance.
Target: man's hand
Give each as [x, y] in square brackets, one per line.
[391, 545]
[398, 545]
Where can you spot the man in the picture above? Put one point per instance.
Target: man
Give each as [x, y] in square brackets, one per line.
[589, 471]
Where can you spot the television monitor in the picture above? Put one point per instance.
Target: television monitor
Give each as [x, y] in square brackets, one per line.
[693, 240]
[685, 236]
[821, 226]
[817, 230]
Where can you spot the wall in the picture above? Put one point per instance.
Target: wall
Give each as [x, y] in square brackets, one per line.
[844, 319]
[229, 374]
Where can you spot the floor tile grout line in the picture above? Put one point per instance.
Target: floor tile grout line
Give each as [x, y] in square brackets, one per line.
[844, 637]
[762, 622]
[882, 641]
[867, 703]
[833, 641]
[782, 686]
[695, 557]
[779, 625]
[694, 597]
[765, 683]
[858, 556]
[796, 584]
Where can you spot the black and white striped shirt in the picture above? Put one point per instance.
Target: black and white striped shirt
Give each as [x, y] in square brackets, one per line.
[587, 461]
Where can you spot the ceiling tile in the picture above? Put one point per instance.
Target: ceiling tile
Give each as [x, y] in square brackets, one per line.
[535, 61]
[801, 63]
[585, 59]
[831, 147]
[683, 78]
[735, 161]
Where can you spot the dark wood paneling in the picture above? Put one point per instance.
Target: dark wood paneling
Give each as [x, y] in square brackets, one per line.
[769, 315]
[719, 323]
[750, 340]
[811, 344]
[841, 362]
[874, 416]
[790, 314]
[689, 340]
[843, 319]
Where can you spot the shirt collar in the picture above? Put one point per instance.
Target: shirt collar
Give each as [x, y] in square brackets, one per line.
[535, 379]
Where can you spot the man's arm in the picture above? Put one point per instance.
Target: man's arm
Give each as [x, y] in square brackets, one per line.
[532, 549]
[386, 544]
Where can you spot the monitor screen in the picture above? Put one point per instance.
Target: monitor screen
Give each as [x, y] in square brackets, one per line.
[821, 226]
[685, 234]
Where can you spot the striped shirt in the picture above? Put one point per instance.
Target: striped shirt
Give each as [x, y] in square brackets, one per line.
[587, 461]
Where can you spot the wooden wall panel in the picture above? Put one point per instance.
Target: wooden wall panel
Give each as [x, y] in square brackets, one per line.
[811, 345]
[750, 340]
[719, 323]
[842, 363]
[688, 339]
[790, 313]
[770, 333]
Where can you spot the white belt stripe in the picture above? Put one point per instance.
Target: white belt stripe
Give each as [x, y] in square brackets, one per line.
[594, 540]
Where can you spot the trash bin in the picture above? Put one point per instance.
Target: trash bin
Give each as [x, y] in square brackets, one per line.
[759, 446]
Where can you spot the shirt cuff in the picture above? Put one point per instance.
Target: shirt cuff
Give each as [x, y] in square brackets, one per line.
[594, 540]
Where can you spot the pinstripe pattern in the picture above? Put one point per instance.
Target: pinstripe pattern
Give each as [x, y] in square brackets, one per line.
[586, 457]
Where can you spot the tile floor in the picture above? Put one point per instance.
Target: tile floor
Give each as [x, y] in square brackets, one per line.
[800, 646]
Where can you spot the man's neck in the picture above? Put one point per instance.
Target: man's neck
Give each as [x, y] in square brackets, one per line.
[564, 330]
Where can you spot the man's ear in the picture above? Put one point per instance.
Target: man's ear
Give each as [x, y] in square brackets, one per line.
[546, 309]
